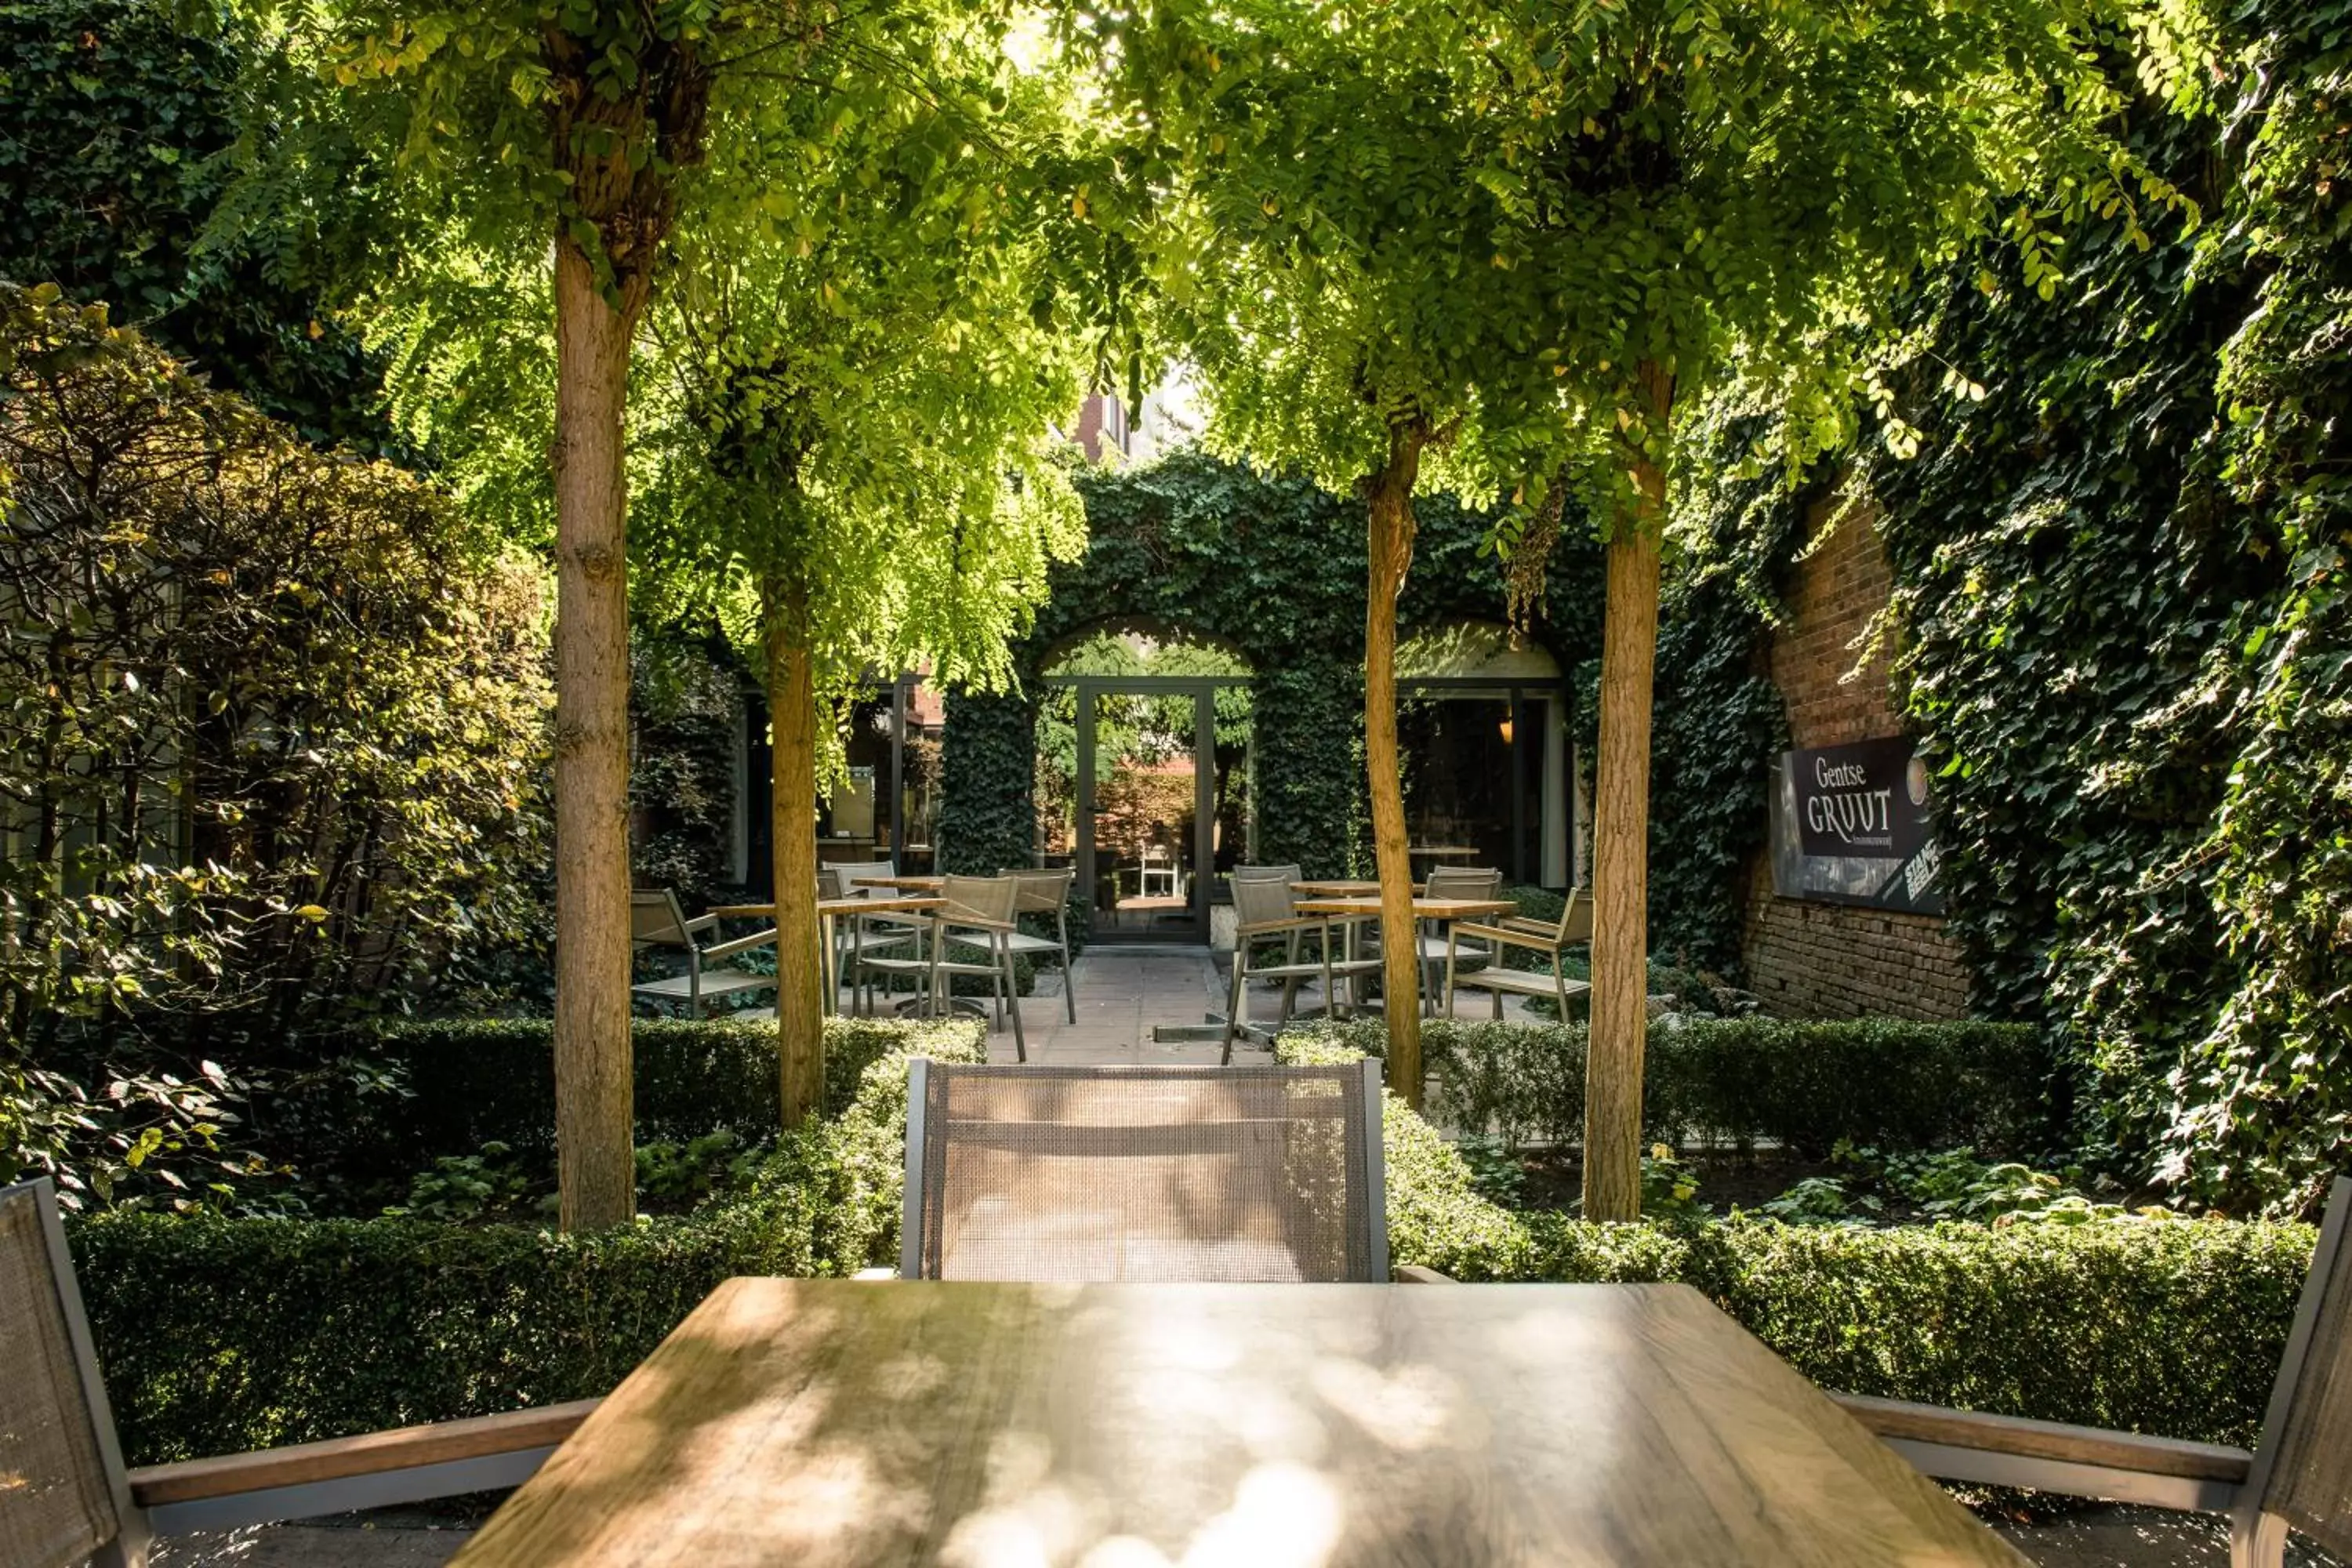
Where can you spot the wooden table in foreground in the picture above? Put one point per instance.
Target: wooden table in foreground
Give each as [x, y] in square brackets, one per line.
[840, 1422]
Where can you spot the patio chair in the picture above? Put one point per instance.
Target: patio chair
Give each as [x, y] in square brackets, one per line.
[1173, 1173]
[1488, 939]
[657, 921]
[1455, 882]
[977, 911]
[1264, 908]
[1045, 892]
[65, 1496]
[2299, 1474]
[855, 937]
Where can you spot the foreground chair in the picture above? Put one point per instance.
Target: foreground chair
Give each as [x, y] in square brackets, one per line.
[2299, 1475]
[1052, 1174]
[64, 1497]
[1547, 939]
[657, 921]
[1045, 892]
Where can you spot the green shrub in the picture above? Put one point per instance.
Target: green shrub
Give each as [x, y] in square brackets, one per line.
[221, 1334]
[471, 1082]
[1808, 1085]
[2172, 1327]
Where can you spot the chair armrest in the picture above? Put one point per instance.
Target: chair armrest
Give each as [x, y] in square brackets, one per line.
[951, 923]
[700, 923]
[1414, 1274]
[720, 950]
[1275, 928]
[371, 1453]
[1544, 944]
[1901, 1421]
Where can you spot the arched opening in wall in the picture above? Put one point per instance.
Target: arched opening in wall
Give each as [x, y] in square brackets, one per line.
[1144, 777]
[1489, 775]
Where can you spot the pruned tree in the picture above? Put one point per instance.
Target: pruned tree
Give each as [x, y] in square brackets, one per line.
[1710, 194]
[1317, 253]
[532, 202]
[853, 418]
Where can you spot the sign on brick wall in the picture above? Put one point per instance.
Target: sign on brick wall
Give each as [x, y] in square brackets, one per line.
[1853, 825]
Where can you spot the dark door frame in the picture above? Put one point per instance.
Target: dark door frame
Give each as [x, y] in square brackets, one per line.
[1203, 692]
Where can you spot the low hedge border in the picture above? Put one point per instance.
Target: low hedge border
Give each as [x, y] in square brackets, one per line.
[466, 1082]
[219, 1334]
[1739, 1081]
[224, 1334]
[2172, 1327]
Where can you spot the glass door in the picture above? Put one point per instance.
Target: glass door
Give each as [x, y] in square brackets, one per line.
[1148, 837]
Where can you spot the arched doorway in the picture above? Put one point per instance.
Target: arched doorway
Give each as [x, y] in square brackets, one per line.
[1143, 779]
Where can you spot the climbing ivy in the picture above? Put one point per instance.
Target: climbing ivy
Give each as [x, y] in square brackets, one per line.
[1273, 567]
[117, 123]
[2116, 559]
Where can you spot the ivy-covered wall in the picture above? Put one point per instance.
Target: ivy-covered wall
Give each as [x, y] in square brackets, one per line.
[1274, 568]
[2119, 561]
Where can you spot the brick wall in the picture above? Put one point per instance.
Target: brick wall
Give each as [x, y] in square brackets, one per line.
[1836, 961]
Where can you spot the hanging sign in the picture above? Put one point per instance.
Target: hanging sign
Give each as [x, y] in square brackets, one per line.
[1853, 825]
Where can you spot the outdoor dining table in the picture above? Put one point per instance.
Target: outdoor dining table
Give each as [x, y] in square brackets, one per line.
[1361, 905]
[827, 912]
[907, 884]
[848, 1424]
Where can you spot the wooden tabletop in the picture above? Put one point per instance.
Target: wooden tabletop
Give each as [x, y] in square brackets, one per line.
[1423, 908]
[836, 1423]
[907, 906]
[1339, 888]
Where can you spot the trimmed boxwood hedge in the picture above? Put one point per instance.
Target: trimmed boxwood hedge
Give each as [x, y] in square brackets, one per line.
[468, 1082]
[1806, 1085]
[223, 1334]
[2172, 1327]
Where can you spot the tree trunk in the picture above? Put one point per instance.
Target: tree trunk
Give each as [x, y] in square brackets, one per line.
[800, 989]
[1621, 839]
[594, 1133]
[1390, 530]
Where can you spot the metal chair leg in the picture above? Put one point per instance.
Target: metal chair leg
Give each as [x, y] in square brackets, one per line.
[2259, 1542]
[1012, 991]
[1069, 980]
[1238, 1001]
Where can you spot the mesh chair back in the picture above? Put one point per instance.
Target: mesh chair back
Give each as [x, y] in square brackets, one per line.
[1259, 902]
[988, 899]
[1576, 921]
[61, 1493]
[1094, 1173]
[1265, 873]
[853, 871]
[2305, 1470]
[831, 883]
[1465, 882]
[655, 916]
[1040, 892]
